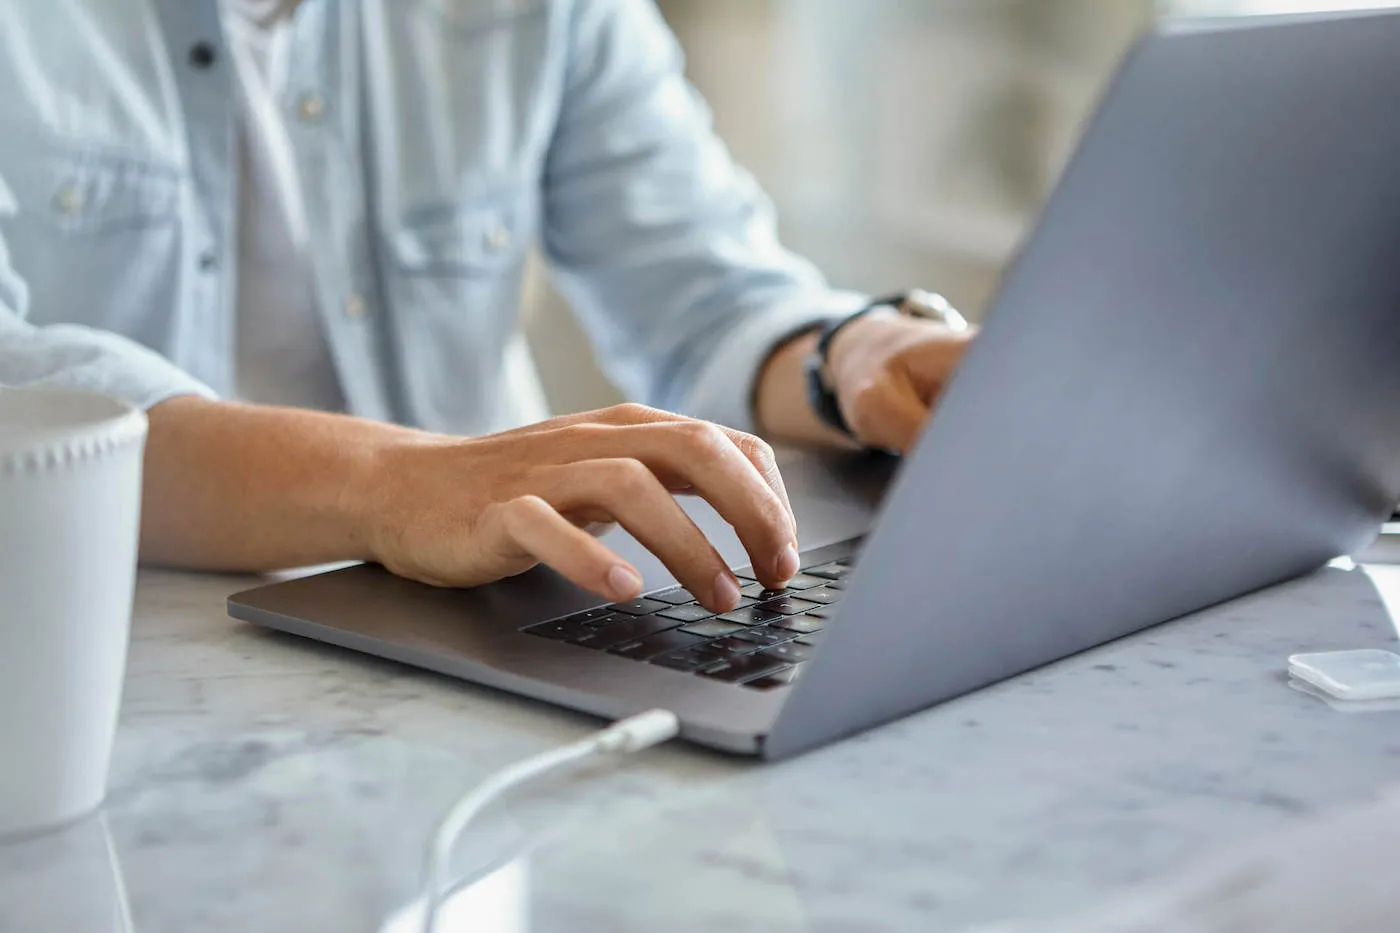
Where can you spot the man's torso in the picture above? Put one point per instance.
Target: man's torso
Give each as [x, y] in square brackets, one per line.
[420, 132]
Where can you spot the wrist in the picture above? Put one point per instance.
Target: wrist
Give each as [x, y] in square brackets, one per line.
[846, 342]
[375, 488]
[847, 350]
[823, 380]
[781, 408]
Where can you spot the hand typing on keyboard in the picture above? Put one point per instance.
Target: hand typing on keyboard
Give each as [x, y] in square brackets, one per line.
[464, 511]
[762, 643]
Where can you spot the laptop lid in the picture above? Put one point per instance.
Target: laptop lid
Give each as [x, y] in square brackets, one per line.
[1188, 387]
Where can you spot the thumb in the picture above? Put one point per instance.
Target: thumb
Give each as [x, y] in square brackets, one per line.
[929, 365]
[889, 416]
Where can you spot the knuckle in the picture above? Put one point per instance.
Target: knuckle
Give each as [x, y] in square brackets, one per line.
[626, 475]
[522, 509]
[703, 437]
[528, 504]
[871, 397]
[867, 394]
[583, 433]
[760, 452]
[630, 412]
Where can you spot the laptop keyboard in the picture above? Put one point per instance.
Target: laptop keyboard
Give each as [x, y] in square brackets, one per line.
[761, 644]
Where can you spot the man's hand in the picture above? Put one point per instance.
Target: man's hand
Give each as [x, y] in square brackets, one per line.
[245, 487]
[888, 370]
[458, 512]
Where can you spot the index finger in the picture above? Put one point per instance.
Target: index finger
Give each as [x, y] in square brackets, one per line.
[697, 456]
[754, 448]
[761, 455]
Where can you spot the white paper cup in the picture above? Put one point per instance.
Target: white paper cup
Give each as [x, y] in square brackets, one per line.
[70, 504]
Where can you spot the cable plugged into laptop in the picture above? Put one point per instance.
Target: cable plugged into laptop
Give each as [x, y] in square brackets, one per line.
[624, 737]
[639, 732]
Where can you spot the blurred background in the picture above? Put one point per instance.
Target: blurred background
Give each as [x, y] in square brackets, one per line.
[905, 142]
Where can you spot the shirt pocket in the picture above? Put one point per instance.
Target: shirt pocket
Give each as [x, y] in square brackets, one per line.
[104, 194]
[98, 239]
[467, 17]
[452, 289]
[488, 237]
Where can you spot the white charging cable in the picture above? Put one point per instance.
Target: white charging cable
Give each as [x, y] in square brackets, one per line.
[623, 738]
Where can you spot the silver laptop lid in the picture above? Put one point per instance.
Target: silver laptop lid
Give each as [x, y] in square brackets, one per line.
[1189, 387]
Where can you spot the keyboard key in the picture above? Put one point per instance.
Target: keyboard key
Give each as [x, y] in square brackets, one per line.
[811, 639]
[639, 607]
[693, 659]
[777, 679]
[748, 667]
[744, 603]
[791, 652]
[560, 630]
[658, 644]
[758, 592]
[836, 584]
[832, 571]
[765, 635]
[629, 631]
[590, 615]
[678, 596]
[713, 628]
[804, 582]
[822, 594]
[734, 646]
[820, 612]
[802, 625]
[606, 619]
[753, 615]
[786, 606]
[691, 613]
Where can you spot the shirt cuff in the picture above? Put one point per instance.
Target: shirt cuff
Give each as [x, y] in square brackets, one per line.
[73, 357]
[724, 387]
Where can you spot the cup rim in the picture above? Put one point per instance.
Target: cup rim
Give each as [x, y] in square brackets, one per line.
[79, 416]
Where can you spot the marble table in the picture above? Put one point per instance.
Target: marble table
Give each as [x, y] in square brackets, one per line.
[265, 783]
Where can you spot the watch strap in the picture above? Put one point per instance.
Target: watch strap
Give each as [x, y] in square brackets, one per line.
[820, 395]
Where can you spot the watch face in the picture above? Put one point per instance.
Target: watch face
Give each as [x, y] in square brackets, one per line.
[933, 307]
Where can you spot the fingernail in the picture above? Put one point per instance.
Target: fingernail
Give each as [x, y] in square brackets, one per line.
[624, 582]
[786, 566]
[726, 591]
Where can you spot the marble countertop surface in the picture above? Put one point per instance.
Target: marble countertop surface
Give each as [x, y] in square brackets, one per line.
[262, 782]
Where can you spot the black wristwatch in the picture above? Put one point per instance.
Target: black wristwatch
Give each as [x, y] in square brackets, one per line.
[821, 393]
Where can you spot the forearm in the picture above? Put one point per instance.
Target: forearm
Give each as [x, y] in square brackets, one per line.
[250, 488]
[241, 487]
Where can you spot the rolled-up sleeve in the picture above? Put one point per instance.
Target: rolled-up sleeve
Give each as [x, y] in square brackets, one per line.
[664, 246]
[76, 357]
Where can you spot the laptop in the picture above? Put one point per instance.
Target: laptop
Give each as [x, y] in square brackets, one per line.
[1187, 389]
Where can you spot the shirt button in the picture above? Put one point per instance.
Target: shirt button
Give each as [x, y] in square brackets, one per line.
[69, 201]
[355, 308]
[311, 107]
[497, 238]
[203, 55]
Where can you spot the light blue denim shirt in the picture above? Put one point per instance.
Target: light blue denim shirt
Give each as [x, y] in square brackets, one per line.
[436, 141]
